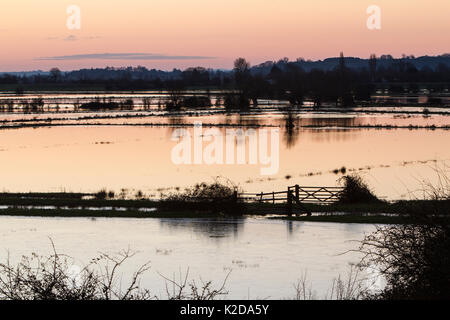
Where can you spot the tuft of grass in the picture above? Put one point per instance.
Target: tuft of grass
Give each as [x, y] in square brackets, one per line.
[139, 195]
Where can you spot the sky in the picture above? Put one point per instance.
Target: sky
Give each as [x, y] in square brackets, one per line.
[167, 34]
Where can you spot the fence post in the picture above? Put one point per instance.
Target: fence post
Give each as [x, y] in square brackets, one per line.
[289, 200]
[273, 197]
[235, 196]
[297, 192]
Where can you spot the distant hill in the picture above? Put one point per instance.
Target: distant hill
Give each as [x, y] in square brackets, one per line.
[142, 73]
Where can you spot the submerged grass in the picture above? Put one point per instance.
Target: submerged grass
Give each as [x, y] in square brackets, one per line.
[383, 213]
[18, 212]
[351, 218]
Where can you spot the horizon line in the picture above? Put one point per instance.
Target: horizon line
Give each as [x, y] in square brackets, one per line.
[154, 56]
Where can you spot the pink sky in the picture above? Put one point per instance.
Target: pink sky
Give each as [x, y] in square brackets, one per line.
[181, 32]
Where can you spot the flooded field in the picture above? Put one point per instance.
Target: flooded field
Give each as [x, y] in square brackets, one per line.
[134, 153]
[266, 258]
[131, 152]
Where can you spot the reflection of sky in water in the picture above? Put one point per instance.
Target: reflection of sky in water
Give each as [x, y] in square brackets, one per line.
[81, 158]
[266, 257]
[296, 118]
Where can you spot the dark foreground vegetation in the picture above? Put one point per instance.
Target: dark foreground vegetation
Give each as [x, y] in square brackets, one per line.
[55, 278]
[412, 259]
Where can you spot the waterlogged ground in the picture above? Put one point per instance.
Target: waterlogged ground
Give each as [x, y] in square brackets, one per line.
[59, 149]
[89, 158]
[265, 257]
[131, 151]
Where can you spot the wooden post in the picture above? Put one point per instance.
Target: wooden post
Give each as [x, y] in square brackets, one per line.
[235, 196]
[297, 192]
[289, 200]
[273, 197]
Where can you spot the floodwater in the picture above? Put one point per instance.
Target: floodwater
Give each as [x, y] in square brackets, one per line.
[130, 151]
[265, 257]
[137, 153]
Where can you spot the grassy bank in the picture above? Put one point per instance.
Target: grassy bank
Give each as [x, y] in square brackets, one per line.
[94, 205]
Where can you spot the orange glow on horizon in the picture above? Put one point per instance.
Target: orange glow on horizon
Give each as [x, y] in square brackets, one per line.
[258, 30]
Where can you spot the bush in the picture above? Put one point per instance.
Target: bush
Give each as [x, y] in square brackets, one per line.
[96, 106]
[413, 258]
[216, 197]
[196, 102]
[236, 102]
[356, 191]
[101, 195]
[204, 191]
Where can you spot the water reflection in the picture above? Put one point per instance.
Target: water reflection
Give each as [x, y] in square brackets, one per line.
[88, 159]
[215, 228]
[264, 261]
[291, 124]
[291, 129]
[176, 120]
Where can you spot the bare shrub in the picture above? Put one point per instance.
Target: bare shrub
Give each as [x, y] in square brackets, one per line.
[218, 196]
[413, 258]
[351, 287]
[183, 289]
[101, 195]
[356, 190]
[439, 190]
[218, 190]
[303, 288]
[57, 277]
[50, 278]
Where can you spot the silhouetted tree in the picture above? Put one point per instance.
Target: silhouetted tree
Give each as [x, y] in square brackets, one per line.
[345, 94]
[55, 74]
[373, 66]
[242, 78]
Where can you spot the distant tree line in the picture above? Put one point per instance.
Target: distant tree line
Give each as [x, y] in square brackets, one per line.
[339, 81]
[340, 85]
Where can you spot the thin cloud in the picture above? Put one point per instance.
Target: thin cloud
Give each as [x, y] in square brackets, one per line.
[123, 56]
[92, 38]
[71, 38]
